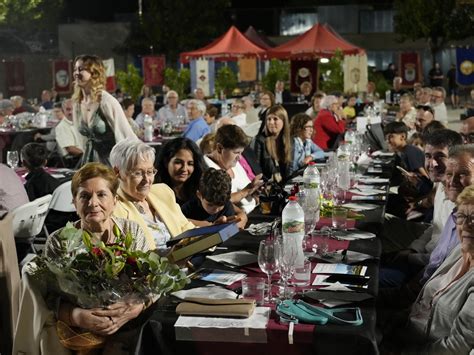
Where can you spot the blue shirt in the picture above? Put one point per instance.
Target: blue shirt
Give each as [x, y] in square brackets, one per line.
[197, 129]
[446, 243]
[302, 150]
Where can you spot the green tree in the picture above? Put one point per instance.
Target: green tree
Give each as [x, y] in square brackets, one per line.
[226, 80]
[436, 21]
[278, 70]
[333, 73]
[31, 15]
[178, 81]
[171, 27]
[130, 81]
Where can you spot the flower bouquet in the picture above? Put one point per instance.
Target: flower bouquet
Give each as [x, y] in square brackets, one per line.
[96, 275]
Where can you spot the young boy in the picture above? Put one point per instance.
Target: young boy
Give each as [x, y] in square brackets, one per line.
[412, 158]
[212, 205]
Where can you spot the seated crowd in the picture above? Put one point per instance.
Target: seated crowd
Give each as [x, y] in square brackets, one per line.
[427, 280]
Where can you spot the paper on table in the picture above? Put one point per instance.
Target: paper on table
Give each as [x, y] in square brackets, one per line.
[210, 292]
[334, 303]
[380, 153]
[258, 320]
[218, 276]
[393, 190]
[336, 286]
[360, 206]
[354, 256]
[367, 192]
[352, 234]
[237, 258]
[371, 180]
[322, 268]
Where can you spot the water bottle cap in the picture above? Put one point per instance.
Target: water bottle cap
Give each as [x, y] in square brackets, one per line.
[293, 198]
[311, 163]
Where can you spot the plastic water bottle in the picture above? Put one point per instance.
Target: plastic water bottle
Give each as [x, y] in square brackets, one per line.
[311, 201]
[148, 125]
[344, 152]
[350, 136]
[293, 230]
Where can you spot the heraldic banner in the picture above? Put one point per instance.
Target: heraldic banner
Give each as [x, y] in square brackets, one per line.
[62, 75]
[15, 77]
[109, 65]
[465, 66]
[153, 67]
[301, 71]
[202, 75]
[355, 73]
[410, 69]
[248, 69]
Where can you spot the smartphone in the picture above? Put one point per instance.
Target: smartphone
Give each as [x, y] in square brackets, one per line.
[353, 280]
[403, 170]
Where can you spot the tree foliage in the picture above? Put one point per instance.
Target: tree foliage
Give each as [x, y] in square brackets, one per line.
[130, 81]
[333, 73]
[170, 27]
[31, 15]
[436, 21]
[278, 70]
[226, 80]
[178, 81]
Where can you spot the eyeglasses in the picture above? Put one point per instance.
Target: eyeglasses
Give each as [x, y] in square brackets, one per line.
[172, 97]
[308, 127]
[138, 174]
[460, 219]
[468, 138]
[236, 106]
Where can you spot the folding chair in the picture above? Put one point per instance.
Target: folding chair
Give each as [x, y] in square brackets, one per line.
[28, 220]
[61, 201]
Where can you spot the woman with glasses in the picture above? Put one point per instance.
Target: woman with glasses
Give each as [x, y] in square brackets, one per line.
[152, 206]
[304, 149]
[329, 125]
[442, 318]
[238, 114]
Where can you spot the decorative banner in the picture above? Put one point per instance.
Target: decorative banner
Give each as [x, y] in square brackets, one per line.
[465, 66]
[153, 67]
[248, 69]
[15, 77]
[355, 73]
[202, 75]
[61, 70]
[301, 71]
[410, 69]
[109, 64]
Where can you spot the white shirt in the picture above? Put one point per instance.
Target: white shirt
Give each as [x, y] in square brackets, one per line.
[441, 211]
[440, 112]
[67, 135]
[278, 97]
[239, 182]
[240, 119]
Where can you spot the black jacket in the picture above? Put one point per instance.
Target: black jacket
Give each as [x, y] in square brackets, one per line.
[39, 183]
[266, 162]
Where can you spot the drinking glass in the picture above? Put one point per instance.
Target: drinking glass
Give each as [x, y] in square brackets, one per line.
[287, 259]
[339, 217]
[268, 260]
[344, 177]
[13, 159]
[316, 243]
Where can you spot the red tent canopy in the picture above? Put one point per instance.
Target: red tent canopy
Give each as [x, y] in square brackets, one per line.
[257, 38]
[319, 41]
[231, 46]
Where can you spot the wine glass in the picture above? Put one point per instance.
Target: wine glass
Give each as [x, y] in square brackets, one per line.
[344, 177]
[268, 253]
[13, 159]
[287, 258]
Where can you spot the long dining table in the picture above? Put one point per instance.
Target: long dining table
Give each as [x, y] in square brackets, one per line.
[306, 338]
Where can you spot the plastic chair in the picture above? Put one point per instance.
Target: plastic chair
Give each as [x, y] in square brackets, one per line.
[61, 200]
[28, 219]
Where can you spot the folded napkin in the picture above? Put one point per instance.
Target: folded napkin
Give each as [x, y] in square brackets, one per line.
[260, 228]
[238, 308]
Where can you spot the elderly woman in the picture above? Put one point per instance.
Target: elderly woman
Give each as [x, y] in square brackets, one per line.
[315, 104]
[230, 142]
[441, 319]
[148, 109]
[304, 149]
[94, 189]
[180, 166]
[273, 146]
[198, 126]
[153, 207]
[328, 125]
[173, 111]
[97, 115]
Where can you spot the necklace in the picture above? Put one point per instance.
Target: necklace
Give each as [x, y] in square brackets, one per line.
[139, 207]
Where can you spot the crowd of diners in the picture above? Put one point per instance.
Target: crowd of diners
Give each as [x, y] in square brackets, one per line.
[214, 173]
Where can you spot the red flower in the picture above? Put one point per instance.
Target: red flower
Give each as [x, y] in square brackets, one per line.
[131, 261]
[118, 252]
[97, 251]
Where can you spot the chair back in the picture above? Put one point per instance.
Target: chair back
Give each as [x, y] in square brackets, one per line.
[62, 198]
[28, 219]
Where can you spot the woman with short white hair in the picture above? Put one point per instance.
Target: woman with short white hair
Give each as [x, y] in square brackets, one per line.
[152, 206]
[328, 125]
[198, 126]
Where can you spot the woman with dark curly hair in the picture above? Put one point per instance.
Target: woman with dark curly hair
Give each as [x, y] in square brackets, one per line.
[97, 115]
[180, 166]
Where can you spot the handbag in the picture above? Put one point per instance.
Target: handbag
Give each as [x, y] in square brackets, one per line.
[294, 311]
